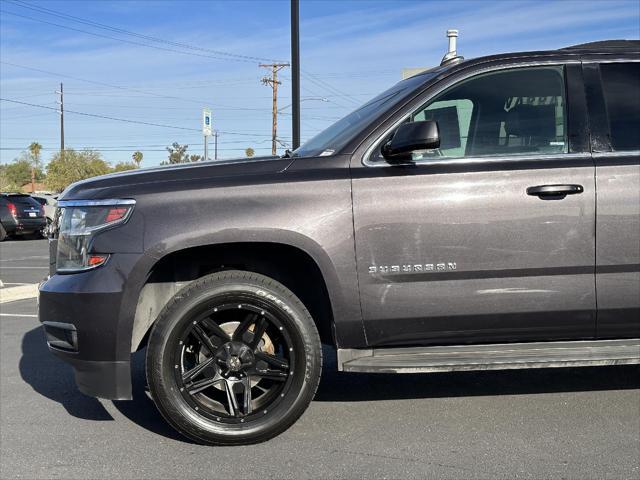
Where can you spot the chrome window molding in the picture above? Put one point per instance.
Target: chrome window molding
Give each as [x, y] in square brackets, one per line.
[490, 160]
[95, 203]
[619, 153]
[512, 66]
[590, 61]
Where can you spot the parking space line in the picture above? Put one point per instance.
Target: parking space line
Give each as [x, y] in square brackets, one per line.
[18, 293]
[18, 315]
[9, 267]
[39, 257]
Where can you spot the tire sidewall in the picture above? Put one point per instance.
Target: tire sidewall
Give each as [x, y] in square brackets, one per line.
[176, 317]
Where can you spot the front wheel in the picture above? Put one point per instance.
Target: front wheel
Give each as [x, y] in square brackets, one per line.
[234, 358]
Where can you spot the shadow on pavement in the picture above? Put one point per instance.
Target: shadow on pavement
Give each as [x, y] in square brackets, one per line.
[141, 410]
[54, 379]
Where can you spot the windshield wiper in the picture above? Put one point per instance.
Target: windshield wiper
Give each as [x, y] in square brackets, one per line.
[287, 154]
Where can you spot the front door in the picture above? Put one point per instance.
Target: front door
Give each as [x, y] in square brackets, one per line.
[490, 237]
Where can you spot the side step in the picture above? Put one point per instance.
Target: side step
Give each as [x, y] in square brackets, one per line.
[491, 357]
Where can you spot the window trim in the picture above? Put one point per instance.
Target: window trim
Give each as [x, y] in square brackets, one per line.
[601, 138]
[476, 159]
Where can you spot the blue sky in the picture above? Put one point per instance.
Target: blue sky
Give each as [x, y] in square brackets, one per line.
[350, 50]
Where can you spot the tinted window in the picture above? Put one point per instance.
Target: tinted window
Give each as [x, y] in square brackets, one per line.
[338, 135]
[24, 200]
[621, 87]
[509, 112]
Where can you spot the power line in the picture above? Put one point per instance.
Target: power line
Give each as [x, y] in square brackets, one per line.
[228, 56]
[101, 116]
[131, 42]
[48, 11]
[121, 87]
[139, 122]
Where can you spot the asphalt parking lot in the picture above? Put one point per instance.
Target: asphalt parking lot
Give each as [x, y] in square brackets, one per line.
[552, 423]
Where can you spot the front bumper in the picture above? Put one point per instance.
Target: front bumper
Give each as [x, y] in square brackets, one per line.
[87, 319]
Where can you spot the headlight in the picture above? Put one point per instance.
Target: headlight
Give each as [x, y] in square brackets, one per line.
[79, 221]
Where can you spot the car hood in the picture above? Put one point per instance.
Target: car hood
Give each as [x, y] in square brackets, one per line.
[169, 177]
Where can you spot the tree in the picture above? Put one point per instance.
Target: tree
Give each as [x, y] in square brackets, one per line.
[18, 173]
[124, 166]
[137, 157]
[71, 166]
[178, 154]
[249, 152]
[6, 183]
[34, 150]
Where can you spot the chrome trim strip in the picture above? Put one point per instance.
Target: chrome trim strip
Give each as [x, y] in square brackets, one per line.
[96, 203]
[622, 153]
[490, 160]
[449, 83]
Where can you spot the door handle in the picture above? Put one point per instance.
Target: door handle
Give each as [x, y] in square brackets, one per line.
[554, 190]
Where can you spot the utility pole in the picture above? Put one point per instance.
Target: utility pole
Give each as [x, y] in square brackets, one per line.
[61, 112]
[206, 148]
[295, 73]
[274, 82]
[215, 148]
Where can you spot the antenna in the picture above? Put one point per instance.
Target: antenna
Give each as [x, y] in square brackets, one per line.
[452, 54]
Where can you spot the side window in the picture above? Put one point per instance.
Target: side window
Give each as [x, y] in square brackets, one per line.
[621, 88]
[509, 112]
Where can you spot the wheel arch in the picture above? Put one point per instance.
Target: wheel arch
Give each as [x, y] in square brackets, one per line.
[306, 270]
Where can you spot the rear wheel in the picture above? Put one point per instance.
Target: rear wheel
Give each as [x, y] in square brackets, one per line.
[234, 358]
[3, 233]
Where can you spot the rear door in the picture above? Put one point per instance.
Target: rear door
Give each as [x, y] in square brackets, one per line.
[464, 245]
[614, 107]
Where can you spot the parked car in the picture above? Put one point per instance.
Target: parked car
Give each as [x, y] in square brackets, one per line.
[49, 203]
[20, 215]
[448, 224]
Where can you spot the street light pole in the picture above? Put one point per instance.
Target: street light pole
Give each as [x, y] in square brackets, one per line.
[295, 72]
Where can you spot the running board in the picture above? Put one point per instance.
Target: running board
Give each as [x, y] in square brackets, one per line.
[490, 357]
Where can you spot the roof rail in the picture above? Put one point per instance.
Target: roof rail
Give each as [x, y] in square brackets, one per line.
[605, 44]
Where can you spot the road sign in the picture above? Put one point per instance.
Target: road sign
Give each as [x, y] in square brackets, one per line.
[206, 122]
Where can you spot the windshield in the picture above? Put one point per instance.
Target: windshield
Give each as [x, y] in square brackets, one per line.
[337, 135]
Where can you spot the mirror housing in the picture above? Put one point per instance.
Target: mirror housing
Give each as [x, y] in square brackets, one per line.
[411, 137]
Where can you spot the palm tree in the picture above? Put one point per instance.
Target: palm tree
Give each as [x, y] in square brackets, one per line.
[137, 157]
[34, 149]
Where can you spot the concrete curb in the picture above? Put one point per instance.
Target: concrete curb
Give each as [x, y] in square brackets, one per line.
[18, 293]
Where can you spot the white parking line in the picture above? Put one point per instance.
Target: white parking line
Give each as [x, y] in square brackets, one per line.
[18, 315]
[8, 267]
[24, 258]
[19, 293]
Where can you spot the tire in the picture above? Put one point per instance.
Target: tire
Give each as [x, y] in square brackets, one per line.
[44, 233]
[3, 233]
[279, 368]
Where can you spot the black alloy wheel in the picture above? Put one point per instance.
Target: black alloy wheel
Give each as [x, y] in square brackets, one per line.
[234, 358]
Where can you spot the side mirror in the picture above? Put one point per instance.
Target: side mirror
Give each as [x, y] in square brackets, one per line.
[411, 137]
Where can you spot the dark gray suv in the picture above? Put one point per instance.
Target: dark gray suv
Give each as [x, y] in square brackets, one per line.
[484, 214]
